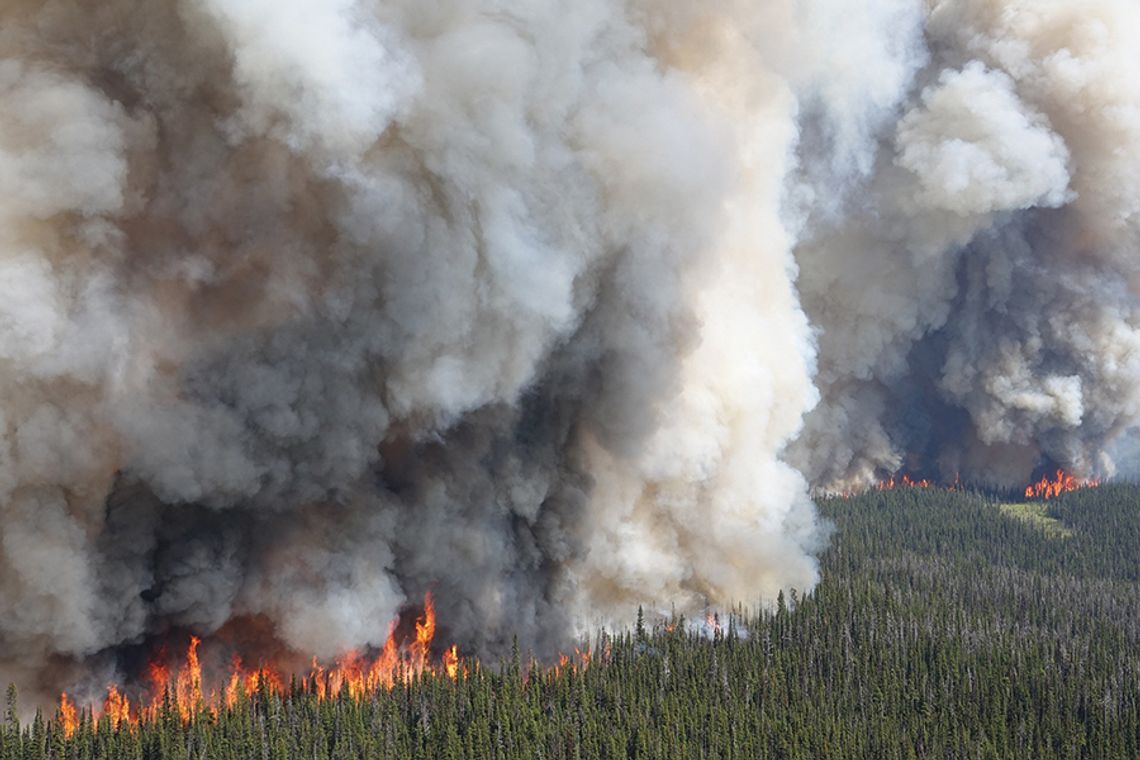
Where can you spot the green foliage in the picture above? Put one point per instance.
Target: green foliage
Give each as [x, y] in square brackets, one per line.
[1036, 513]
[941, 628]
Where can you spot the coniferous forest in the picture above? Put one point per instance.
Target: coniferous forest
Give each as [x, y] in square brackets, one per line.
[946, 625]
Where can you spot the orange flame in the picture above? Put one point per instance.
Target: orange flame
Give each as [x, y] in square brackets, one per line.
[1061, 483]
[712, 623]
[576, 664]
[451, 662]
[425, 632]
[188, 684]
[904, 481]
[116, 707]
[242, 684]
[182, 689]
[1045, 488]
[68, 716]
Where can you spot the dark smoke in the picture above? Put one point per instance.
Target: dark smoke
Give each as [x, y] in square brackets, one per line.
[308, 307]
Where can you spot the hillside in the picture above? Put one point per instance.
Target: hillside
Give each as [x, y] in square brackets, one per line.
[946, 625]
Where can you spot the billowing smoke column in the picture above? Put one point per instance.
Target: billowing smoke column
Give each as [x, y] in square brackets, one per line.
[309, 307]
[974, 279]
[551, 308]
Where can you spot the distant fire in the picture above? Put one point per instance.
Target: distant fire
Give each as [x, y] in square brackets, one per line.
[185, 692]
[1046, 488]
[905, 481]
[1061, 483]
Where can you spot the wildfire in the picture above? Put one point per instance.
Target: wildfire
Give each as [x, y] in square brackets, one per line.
[242, 683]
[712, 623]
[68, 716]
[904, 481]
[185, 693]
[451, 662]
[188, 684]
[116, 707]
[1046, 488]
[579, 662]
[1061, 483]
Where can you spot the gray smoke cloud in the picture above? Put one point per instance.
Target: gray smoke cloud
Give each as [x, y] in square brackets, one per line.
[554, 309]
[310, 307]
[974, 288]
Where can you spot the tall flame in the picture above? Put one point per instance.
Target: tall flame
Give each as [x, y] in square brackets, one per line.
[116, 707]
[188, 684]
[1061, 483]
[183, 691]
[451, 662]
[68, 716]
[425, 632]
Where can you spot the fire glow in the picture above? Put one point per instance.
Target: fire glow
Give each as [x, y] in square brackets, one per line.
[184, 691]
[904, 481]
[1061, 483]
[1042, 490]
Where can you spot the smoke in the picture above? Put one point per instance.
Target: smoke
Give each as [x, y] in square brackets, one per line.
[974, 293]
[307, 308]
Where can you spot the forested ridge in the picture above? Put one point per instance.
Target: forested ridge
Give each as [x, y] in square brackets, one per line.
[944, 627]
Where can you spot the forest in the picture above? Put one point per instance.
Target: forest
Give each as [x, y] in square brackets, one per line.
[947, 624]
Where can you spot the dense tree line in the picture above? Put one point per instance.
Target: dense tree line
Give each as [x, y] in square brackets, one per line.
[942, 628]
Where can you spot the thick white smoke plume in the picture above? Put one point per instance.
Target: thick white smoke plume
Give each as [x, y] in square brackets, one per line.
[553, 308]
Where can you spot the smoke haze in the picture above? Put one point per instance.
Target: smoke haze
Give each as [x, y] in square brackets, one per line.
[308, 307]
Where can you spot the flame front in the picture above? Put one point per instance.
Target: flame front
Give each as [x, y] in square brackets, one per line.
[183, 691]
[1061, 483]
[1046, 488]
[904, 481]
